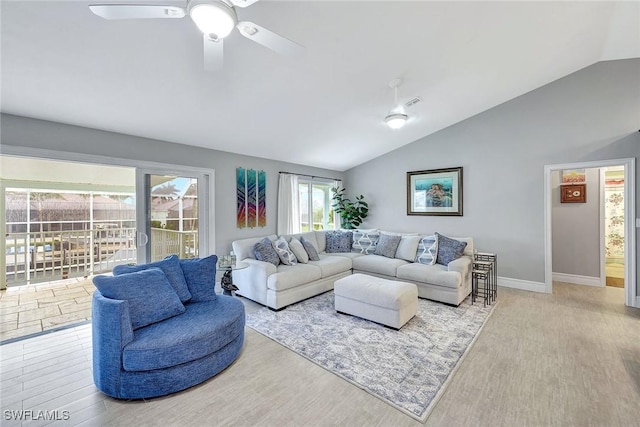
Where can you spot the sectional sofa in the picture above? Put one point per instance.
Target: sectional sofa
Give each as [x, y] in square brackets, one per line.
[279, 286]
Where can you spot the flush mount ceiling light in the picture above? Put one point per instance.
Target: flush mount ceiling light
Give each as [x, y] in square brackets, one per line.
[396, 117]
[215, 19]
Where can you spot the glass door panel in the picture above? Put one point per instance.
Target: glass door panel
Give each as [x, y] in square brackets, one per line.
[173, 217]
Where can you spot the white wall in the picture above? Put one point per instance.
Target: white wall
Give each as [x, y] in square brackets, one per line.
[593, 114]
[576, 229]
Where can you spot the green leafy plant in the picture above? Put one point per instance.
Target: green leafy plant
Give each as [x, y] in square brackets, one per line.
[351, 213]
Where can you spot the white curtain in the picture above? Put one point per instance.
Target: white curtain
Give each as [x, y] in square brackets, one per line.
[337, 224]
[288, 205]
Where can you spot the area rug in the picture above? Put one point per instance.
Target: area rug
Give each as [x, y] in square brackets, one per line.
[408, 369]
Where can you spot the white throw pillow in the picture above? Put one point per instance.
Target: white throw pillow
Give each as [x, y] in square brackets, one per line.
[298, 250]
[282, 248]
[407, 248]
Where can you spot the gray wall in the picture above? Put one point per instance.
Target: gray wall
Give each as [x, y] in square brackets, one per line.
[593, 114]
[576, 229]
[26, 132]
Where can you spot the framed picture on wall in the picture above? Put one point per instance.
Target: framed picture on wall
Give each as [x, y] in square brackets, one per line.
[435, 192]
[573, 193]
[574, 176]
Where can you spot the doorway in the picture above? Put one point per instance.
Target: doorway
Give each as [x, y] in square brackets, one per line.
[614, 235]
[629, 243]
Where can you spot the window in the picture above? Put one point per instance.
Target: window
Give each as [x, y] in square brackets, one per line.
[316, 212]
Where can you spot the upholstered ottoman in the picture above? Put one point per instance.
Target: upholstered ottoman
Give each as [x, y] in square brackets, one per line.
[383, 301]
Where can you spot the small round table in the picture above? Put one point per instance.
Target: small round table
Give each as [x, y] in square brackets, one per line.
[227, 283]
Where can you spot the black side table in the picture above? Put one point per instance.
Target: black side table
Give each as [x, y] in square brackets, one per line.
[226, 283]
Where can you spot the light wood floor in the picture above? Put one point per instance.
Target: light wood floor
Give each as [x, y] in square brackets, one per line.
[567, 359]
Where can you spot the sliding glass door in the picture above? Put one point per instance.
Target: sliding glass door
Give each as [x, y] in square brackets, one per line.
[172, 214]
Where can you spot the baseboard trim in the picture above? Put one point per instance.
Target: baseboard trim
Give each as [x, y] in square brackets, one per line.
[575, 279]
[525, 285]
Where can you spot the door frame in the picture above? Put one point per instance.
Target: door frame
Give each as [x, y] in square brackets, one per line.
[209, 238]
[630, 270]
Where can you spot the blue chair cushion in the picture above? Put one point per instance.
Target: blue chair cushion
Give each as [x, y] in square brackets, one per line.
[204, 328]
[171, 267]
[150, 297]
[200, 274]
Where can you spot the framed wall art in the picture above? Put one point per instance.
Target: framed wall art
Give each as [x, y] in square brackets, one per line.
[435, 192]
[573, 193]
[574, 176]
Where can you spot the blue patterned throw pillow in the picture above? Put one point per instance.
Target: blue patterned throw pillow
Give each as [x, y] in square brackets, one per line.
[365, 241]
[264, 251]
[427, 250]
[449, 249]
[286, 255]
[338, 241]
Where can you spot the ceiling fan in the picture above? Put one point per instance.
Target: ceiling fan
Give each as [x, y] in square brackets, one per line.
[215, 18]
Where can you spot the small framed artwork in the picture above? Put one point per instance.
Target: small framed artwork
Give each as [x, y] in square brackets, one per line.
[574, 176]
[435, 192]
[573, 193]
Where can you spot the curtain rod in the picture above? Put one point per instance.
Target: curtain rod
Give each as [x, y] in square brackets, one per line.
[310, 176]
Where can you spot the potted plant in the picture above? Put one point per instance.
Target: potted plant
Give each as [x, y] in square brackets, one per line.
[351, 213]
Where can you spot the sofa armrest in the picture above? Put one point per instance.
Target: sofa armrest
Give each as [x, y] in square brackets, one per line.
[252, 281]
[111, 331]
[463, 266]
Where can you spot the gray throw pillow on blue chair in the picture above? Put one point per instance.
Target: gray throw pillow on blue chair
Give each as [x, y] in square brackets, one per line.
[171, 268]
[200, 274]
[150, 296]
[448, 249]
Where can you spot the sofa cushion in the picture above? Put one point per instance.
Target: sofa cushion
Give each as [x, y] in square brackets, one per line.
[377, 264]
[448, 249]
[200, 274]
[171, 268]
[244, 248]
[365, 241]
[287, 257]
[408, 248]
[387, 245]
[264, 251]
[203, 329]
[330, 265]
[298, 250]
[432, 274]
[312, 251]
[338, 241]
[290, 276]
[427, 250]
[150, 296]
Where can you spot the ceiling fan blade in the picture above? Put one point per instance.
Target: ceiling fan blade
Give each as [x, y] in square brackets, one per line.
[243, 3]
[269, 39]
[213, 53]
[136, 11]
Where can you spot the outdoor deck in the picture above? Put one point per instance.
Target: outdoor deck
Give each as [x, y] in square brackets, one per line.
[29, 309]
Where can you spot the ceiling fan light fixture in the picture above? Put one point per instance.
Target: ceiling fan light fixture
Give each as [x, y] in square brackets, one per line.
[213, 18]
[396, 117]
[396, 120]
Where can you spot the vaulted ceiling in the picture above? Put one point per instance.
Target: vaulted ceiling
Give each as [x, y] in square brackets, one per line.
[146, 78]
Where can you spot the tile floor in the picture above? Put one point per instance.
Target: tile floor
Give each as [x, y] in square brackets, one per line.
[29, 309]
